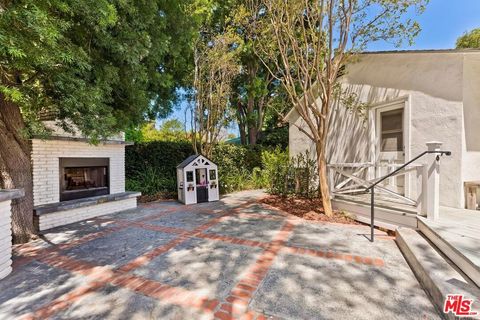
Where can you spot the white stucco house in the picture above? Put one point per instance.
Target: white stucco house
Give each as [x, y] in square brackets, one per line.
[413, 97]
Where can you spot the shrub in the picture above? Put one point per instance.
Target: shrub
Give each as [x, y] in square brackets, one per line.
[275, 137]
[150, 181]
[276, 171]
[150, 167]
[235, 166]
[162, 155]
[283, 176]
[305, 175]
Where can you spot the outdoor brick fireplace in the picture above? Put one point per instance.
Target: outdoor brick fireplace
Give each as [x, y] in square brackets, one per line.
[83, 178]
[74, 180]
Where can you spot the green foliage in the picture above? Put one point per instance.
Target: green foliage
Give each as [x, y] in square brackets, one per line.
[235, 166]
[101, 65]
[170, 130]
[151, 181]
[276, 167]
[151, 166]
[256, 90]
[134, 134]
[470, 40]
[305, 174]
[216, 66]
[275, 137]
[284, 176]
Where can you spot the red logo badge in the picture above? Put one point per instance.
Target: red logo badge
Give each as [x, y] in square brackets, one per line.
[459, 305]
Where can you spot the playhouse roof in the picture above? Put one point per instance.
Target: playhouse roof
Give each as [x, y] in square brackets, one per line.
[190, 159]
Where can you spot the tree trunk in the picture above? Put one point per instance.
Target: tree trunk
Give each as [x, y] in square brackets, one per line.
[251, 122]
[323, 180]
[243, 134]
[252, 134]
[16, 169]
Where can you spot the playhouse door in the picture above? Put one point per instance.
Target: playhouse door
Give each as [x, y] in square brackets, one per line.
[202, 185]
[390, 145]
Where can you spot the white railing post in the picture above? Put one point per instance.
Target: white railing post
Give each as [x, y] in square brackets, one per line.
[432, 192]
[330, 181]
[423, 198]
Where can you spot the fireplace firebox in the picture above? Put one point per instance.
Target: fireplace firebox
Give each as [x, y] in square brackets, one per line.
[83, 178]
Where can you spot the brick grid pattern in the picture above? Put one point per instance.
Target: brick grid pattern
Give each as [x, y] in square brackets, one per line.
[235, 306]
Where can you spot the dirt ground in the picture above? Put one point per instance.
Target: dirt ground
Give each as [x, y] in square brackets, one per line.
[308, 209]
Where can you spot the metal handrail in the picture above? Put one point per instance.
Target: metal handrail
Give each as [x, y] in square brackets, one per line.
[372, 187]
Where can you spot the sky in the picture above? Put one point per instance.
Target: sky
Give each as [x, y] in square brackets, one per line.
[442, 23]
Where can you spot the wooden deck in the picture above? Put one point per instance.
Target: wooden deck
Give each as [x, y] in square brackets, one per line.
[457, 234]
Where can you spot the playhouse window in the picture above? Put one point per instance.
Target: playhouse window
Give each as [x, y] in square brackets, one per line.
[189, 176]
[213, 175]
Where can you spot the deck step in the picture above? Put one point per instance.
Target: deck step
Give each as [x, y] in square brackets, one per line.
[461, 247]
[388, 218]
[438, 276]
[380, 202]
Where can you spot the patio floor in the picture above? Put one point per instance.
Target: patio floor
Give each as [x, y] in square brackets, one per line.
[234, 258]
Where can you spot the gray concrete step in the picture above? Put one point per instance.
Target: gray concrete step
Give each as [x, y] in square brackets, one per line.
[438, 276]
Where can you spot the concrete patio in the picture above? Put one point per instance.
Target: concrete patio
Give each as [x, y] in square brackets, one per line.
[235, 258]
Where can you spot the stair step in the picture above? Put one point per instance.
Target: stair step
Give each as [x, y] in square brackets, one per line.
[463, 248]
[379, 202]
[387, 218]
[438, 276]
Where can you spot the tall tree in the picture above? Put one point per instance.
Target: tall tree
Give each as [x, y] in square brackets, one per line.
[99, 66]
[470, 40]
[216, 66]
[255, 87]
[315, 39]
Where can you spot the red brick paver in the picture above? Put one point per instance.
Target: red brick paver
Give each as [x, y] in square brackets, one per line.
[234, 306]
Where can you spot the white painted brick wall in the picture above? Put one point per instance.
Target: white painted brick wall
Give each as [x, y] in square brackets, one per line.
[5, 239]
[46, 156]
[51, 220]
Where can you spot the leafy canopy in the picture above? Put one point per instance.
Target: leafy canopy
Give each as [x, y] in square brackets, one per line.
[170, 130]
[101, 65]
[470, 40]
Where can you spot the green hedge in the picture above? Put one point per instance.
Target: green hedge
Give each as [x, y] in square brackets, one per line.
[151, 169]
[235, 166]
[151, 166]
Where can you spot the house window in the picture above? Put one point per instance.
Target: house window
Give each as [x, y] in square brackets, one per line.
[213, 175]
[189, 176]
[392, 130]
